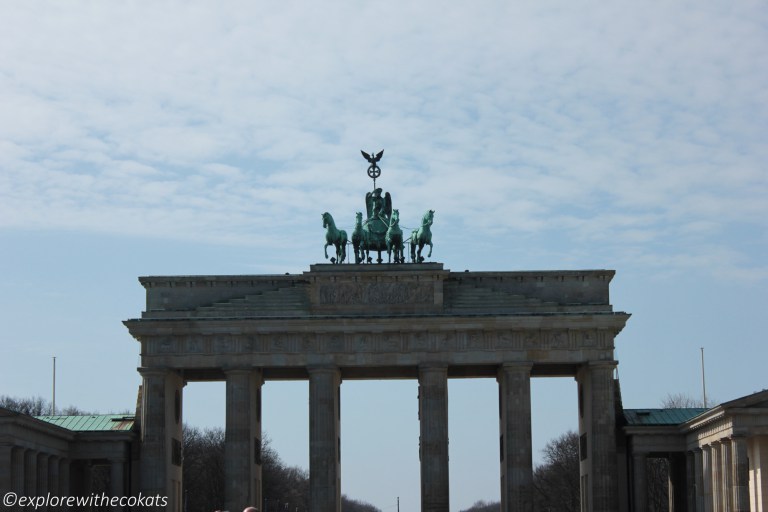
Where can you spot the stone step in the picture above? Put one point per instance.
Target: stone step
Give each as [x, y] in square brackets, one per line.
[287, 301]
[482, 298]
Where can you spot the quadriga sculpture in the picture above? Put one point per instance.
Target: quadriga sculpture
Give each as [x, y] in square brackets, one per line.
[394, 238]
[421, 237]
[335, 237]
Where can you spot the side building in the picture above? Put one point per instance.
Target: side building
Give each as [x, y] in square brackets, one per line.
[718, 457]
[67, 455]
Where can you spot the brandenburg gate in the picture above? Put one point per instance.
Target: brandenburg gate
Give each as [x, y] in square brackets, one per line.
[362, 321]
[365, 320]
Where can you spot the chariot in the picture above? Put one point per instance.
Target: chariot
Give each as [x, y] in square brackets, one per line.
[380, 230]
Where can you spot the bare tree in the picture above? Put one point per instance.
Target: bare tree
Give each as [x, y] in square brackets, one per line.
[484, 506]
[285, 488]
[556, 480]
[203, 476]
[681, 401]
[37, 406]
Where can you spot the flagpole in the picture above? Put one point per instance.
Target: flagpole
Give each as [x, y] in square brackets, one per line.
[703, 380]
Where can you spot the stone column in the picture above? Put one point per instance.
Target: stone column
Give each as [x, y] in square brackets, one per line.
[17, 470]
[117, 480]
[740, 474]
[597, 428]
[433, 445]
[64, 487]
[6, 467]
[690, 482]
[698, 470]
[30, 472]
[153, 450]
[717, 482]
[53, 475]
[42, 476]
[677, 483]
[758, 454]
[515, 437]
[726, 475]
[639, 482]
[161, 431]
[86, 471]
[706, 465]
[324, 440]
[242, 448]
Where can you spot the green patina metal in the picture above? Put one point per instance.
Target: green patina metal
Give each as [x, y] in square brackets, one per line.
[673, 416]
[380, 230]
[91, 422]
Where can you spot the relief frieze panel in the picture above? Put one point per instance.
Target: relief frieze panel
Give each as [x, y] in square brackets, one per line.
[164, 345]
[444, 340]
[280, 343]
[419, 342]
[508, 340]
[585, 339]
[390, 342]
[194, 345]
[224, 345]
[376, 293]
[384, 342]
[555, 339]
[476, 341]
[333, 343]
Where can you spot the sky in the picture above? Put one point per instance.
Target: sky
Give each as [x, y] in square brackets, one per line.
[199, 137]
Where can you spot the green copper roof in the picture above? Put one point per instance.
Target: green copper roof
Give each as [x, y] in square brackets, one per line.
[661, 416]
[92, 422]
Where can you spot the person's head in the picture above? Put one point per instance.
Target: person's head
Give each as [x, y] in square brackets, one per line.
[250, 509]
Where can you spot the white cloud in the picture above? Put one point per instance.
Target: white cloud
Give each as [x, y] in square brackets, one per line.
[590, 122]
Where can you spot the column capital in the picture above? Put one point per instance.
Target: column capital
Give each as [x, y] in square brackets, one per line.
[234, 370]
[611, 363]
[516, 366]
[433, 366]
[153, 372]
[315, 369]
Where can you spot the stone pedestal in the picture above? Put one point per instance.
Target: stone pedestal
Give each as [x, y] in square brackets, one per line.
[433, 445]
[515, 437]
[324, 440]
[242, 448]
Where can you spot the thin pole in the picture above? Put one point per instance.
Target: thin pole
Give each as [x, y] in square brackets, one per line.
[53, 402]
[398, 504]
[703, 380]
